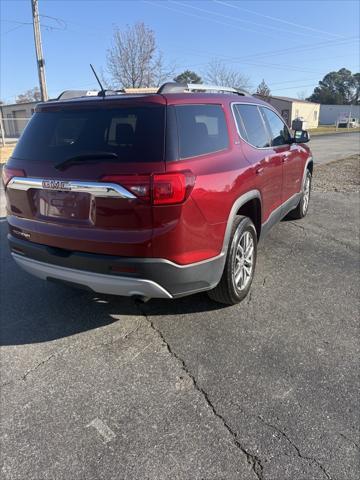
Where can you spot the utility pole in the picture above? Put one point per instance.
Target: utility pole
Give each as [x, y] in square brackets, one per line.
[38, 47]
[2, 130]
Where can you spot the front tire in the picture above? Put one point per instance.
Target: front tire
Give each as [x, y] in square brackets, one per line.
[301, 210]
[240, 264]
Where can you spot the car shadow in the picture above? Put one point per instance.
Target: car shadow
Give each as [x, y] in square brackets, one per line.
[34, 311]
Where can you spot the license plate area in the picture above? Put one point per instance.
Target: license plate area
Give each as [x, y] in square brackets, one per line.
[64, 205]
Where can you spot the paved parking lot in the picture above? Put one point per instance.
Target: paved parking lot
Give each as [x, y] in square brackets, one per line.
[332, 147]
[103, 388]
[97, 387]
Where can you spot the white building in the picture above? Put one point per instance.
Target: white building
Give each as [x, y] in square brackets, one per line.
[15, 117]
[329, 114]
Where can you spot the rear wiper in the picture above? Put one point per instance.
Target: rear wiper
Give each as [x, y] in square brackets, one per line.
[86, 158]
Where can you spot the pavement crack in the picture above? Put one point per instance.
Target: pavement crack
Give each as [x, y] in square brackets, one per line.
[349, 440]
[65, 350]
[38, 365]
[295, 447]
[297, 225]
[253, 460]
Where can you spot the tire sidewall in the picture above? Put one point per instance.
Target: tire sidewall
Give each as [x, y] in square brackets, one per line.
[244, 224]
[308, 177]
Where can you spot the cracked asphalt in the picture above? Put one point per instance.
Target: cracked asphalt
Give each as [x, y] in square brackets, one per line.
[98, 387]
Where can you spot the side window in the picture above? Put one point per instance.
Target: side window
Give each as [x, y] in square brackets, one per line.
[279, 132]
[202, 129]
[253, 128]
[240, 123]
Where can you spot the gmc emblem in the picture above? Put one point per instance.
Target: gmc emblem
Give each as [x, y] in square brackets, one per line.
[56, 185]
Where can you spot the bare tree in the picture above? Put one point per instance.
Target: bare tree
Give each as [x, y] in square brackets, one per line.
[32, 95]
[219, 74]
[301, 95]
[134, 59]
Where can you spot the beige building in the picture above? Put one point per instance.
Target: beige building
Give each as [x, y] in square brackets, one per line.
[15, 117]
[291, 108]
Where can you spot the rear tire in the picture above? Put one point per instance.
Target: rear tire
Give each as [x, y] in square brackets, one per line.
[240, 264]
[301, 210]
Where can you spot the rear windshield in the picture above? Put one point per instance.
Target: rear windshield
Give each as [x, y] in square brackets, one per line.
[134, 134]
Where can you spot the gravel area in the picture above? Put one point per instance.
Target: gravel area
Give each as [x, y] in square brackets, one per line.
[338, 176]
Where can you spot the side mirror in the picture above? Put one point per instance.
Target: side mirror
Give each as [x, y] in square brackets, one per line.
[301, 136]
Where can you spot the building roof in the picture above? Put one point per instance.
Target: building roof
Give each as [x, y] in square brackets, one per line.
[290, 99]
[19, 104]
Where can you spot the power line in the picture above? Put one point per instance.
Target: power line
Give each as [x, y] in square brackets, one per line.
[161, 5]
[237, 19]
[276, 19]
[61, 24]
[291, 88]
[292, 81]
[298, 49]
[12, 29]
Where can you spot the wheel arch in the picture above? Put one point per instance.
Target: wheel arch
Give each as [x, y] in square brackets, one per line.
[249, 205]
[310, 165]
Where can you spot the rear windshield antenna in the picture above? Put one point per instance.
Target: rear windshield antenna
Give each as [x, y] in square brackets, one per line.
[102, 91]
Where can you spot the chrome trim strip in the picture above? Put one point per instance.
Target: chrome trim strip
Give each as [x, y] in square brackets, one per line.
[237, 127]
[97, 189]
[98, 282]
[215, 88]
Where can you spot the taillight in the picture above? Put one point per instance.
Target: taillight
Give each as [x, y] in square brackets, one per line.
[172, 188]
[160, 188]
[8, 173]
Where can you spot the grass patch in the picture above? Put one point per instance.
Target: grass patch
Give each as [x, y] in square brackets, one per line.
[323, 129]
[5, 153]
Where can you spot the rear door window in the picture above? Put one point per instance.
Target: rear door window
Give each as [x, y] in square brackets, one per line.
[201, 129]
[134, 134]
[251, 125]
[280, 134]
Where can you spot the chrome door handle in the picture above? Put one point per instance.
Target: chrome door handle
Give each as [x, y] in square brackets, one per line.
[285, 157]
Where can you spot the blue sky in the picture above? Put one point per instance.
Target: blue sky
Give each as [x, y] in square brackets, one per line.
[292, 45]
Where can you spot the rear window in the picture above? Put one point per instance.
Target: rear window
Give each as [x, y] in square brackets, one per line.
[201, 129]
[134, 134]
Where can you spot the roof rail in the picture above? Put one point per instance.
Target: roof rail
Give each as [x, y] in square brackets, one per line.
[67, 94]
[140, 90]
[174, 87]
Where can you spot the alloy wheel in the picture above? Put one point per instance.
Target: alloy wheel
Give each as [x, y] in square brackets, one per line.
[244, 261]
[306, 194]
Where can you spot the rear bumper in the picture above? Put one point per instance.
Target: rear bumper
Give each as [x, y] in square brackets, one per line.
[148, 277]
[97, 282]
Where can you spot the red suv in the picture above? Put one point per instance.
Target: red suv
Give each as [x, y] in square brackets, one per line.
[153, 195]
